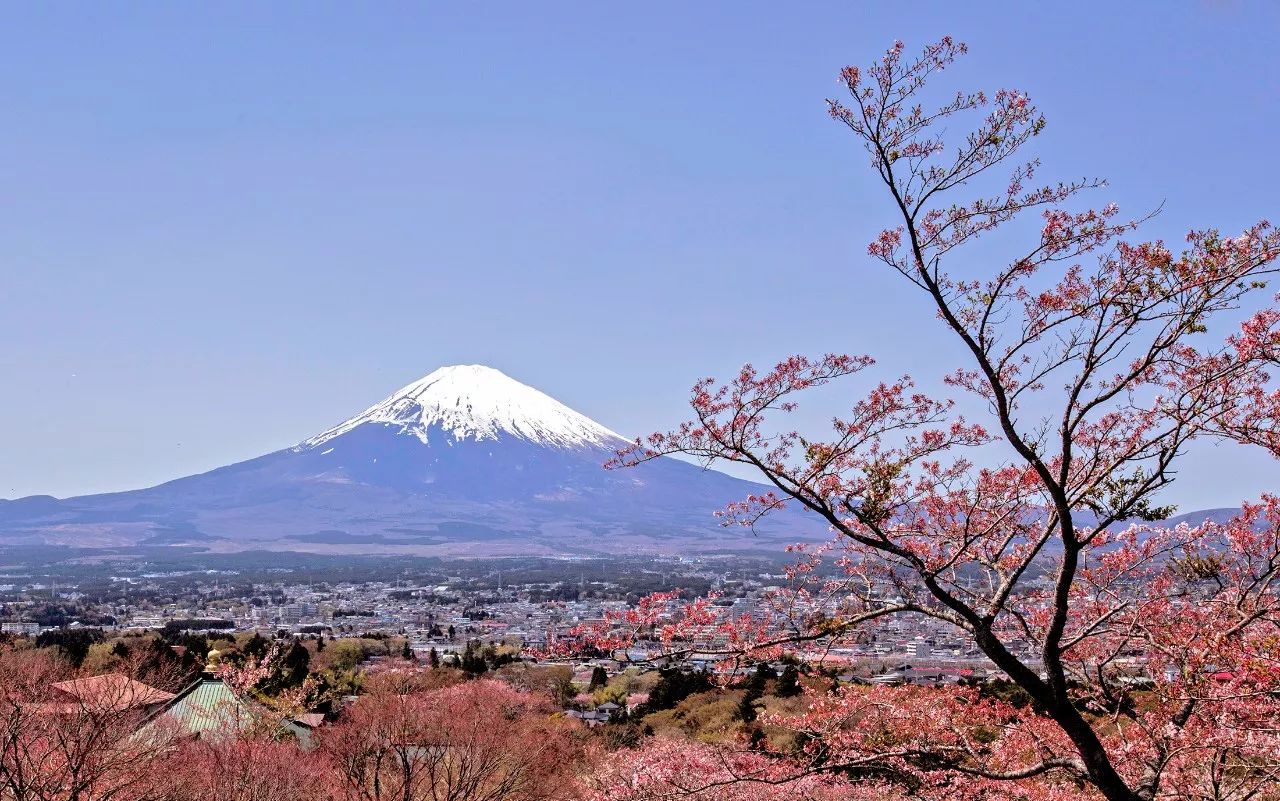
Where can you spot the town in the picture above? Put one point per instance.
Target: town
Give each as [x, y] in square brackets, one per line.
[523, 606]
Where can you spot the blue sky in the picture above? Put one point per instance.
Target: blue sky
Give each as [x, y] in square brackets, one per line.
[224, 229]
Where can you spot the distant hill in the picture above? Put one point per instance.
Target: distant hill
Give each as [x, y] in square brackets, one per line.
[466, 461]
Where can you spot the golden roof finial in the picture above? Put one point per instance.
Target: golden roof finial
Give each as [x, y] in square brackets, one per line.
[215, 656]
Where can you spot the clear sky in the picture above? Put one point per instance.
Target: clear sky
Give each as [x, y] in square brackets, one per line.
[225, 227]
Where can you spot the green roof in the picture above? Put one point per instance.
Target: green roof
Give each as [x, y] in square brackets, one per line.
[205, 707]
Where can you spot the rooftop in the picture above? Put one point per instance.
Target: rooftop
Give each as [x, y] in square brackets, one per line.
[113, 690]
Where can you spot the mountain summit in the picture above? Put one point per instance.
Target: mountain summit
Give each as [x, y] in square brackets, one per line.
[474, 402]
[465, 461]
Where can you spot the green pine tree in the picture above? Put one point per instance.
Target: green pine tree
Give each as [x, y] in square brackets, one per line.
[295, 665]
[760, 679]
[747, 706]
[788, 683]
[598, 679]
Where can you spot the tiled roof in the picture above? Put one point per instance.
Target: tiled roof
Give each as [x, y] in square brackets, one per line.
[114, 690]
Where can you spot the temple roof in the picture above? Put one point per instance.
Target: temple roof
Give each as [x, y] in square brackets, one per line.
[113, 690]
[207, 706]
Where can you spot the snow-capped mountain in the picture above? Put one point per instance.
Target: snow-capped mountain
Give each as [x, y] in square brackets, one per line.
[474, 402]
[463, 461]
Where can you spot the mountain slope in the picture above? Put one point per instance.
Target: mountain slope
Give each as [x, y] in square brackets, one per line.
[464, 461]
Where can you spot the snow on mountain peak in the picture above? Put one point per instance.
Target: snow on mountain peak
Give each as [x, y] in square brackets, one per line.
[474, 402]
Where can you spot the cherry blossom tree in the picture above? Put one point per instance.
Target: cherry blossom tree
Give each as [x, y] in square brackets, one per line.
[477, 741]
[670, 768]
[241, 768]
[73, 746]
[1030, 526]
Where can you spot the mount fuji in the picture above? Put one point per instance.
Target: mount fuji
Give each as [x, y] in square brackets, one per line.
[465, 461]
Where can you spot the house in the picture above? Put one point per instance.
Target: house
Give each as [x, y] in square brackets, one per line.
[110, 692]
[302, 727]
[311, 720]
[589, 718]
[209, 708]
[604, 713]
[206, 707]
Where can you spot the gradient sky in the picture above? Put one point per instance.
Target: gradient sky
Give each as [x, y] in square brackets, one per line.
[224, 229]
